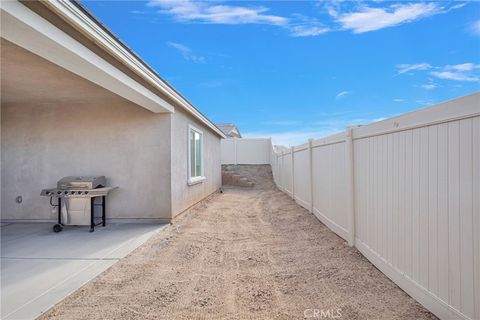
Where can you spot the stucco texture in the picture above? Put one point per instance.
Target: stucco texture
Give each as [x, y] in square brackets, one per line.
[129, 145]
[183, 195]
[55, 124]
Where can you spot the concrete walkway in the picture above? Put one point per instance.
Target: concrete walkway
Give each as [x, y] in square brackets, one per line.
[39, 268]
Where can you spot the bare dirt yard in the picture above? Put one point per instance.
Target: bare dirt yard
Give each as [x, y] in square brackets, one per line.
[243, 254]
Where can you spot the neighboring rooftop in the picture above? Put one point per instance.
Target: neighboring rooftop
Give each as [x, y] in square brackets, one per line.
[230, 130]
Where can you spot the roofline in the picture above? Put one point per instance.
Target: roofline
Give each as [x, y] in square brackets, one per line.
[85, 22]
[233, 127]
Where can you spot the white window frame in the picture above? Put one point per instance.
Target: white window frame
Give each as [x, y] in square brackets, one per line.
[194, 180]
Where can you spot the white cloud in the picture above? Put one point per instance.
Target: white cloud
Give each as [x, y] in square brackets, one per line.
[333, 7]
[475, 28]
[404, 68]
[341, 122]
[398, 100]
[282, 122]
[458, 6]
[457, 72]
[429, 86]
[370, 19]
[307, 30]
[328, 123]
[462, 67]
[362, 20]
[457, 76]
[294, 137]
[342, 94]
[203, 12]
[190, 11]
[186, 52]
[306, 27]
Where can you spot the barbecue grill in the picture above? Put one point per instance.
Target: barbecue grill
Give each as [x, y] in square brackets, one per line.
[75, 200]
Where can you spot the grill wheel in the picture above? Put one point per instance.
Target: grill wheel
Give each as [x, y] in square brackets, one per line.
[57, 228]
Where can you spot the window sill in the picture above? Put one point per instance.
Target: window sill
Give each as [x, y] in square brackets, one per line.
[196, 180]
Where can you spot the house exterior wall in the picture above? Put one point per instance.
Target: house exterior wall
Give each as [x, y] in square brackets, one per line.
[183, 195]
[57, 124]
[43, 142]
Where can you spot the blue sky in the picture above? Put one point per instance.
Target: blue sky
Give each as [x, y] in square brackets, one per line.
[295, 70]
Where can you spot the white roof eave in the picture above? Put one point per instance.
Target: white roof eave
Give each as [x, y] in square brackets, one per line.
[76, 17]
[28, 30]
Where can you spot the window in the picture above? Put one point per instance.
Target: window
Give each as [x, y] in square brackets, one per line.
[195, 155]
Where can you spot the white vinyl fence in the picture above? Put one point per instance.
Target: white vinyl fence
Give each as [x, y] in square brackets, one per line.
[246, 150]
[405, 191]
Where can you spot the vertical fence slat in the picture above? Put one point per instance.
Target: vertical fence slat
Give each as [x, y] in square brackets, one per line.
[350, 186]
[466, 218]
[407, 197]
[476, 211]
[453, 215]
[292, 149]
[310, 172]
[442, 203]
[433, 209]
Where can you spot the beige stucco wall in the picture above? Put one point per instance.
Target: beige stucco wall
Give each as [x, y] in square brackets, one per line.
[41, 143]
[55, 123]
[183, 195]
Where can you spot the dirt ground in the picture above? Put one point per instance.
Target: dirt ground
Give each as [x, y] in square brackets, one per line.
[243, 254]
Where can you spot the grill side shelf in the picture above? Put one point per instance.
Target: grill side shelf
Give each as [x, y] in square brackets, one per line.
[76, 193]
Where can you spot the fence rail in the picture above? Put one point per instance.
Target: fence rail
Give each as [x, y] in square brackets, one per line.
[405, 191]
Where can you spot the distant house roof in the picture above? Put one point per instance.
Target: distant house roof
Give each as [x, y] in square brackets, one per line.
[230, 130]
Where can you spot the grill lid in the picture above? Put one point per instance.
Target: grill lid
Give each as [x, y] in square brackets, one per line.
[81, 182]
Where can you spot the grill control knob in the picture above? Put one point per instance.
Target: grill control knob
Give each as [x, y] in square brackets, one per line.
[59, 192]
[86, 192]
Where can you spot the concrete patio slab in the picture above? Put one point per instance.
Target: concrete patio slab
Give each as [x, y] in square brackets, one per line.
[39, 267]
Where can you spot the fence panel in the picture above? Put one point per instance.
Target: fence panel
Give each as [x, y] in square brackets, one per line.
[414, 210]
[329, 185]
[253, 151]
[287, 180]
[246, 151]
[228, 151]
[302, 176]
[415, 195]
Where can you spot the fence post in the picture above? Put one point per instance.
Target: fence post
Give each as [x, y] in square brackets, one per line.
[283, 173]
[235, 149]
[269, 151]
[310, 163]
[350, 185]
[275, 164]
[293, 174]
